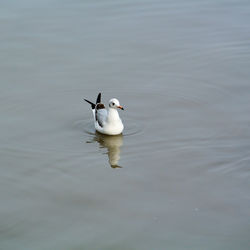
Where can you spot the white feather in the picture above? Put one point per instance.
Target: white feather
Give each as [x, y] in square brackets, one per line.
[110, 121]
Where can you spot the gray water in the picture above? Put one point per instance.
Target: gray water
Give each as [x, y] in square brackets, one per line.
[178, 177]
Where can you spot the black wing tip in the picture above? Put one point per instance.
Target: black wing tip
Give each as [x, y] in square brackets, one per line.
[98, 99]
[91, 103]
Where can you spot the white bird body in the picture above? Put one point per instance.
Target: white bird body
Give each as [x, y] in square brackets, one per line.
[107, 121]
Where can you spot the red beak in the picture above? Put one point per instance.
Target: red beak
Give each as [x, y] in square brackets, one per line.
[120, 107]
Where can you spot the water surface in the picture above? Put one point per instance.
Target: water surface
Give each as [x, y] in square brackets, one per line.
[178, 178]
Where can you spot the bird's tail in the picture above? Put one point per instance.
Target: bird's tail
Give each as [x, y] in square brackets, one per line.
[98, 100]
[91, 103]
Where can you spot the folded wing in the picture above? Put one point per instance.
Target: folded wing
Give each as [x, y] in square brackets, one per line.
[100, 114]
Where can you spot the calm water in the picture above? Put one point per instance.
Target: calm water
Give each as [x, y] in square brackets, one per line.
[180, 172]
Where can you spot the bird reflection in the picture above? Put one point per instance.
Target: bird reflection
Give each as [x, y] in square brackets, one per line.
[113, 144]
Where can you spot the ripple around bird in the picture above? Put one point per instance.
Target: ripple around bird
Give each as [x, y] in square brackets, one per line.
[131, 127]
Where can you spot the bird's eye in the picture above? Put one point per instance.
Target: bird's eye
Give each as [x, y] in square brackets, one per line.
[113, 103]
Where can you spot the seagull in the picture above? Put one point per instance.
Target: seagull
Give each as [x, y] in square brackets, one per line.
[107, 121]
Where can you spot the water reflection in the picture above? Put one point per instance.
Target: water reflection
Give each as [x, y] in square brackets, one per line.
[113, 143]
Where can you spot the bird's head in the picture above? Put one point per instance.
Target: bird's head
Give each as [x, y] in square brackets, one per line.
[114, 103]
